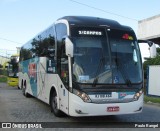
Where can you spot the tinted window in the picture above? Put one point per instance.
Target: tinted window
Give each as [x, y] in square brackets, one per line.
[39, 45]
[126, 63]
[91, 55]
[61, 31]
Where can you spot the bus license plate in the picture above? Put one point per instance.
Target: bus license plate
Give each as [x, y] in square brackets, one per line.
[113, 109]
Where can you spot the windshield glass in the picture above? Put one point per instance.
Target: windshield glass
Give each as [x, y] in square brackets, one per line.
[13, 70]
[100, 61]
[125, 54]
[91, 56]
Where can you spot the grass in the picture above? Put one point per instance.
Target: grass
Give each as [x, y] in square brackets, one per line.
[151, 99]
[3, 78]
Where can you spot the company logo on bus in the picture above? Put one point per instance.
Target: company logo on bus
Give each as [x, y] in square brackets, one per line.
[86, 32]
[32, 70]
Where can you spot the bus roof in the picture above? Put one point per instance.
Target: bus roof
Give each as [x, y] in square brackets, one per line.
[94, 21]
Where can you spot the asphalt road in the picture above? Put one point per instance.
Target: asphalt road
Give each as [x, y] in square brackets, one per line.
[14, 107]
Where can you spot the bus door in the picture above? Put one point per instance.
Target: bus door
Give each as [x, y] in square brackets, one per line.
[64, 75]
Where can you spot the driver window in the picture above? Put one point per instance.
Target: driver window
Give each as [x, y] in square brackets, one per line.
[64, 65]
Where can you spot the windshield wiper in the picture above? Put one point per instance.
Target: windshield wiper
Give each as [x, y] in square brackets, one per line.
[101, 61]
[123, 72]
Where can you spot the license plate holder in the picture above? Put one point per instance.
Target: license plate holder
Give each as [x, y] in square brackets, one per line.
[113, 109]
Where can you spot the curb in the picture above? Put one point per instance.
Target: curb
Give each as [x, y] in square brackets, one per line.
[151, 103]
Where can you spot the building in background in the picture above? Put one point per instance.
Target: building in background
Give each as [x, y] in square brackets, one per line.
[149, 29]
[147, 50]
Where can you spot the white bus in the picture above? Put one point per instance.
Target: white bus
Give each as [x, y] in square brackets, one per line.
[84, 66]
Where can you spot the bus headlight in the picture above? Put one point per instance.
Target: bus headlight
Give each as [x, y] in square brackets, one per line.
[82, 95]
[137, 95]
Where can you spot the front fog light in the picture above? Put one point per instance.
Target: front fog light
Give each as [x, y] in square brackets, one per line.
[82, 95]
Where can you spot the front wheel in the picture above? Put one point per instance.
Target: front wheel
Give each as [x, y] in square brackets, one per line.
[54, 105]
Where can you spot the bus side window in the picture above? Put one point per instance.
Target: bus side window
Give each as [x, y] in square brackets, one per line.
[62, 62]
[64, 65]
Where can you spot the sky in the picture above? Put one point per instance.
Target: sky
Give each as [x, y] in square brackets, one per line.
[21, 20]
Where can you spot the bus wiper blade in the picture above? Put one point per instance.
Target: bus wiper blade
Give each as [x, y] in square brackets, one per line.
[101, 61]
[128, 82]
[123, 73]
[95, 82]
[125, 76]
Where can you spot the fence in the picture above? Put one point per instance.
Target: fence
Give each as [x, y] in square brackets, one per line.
[153, 80]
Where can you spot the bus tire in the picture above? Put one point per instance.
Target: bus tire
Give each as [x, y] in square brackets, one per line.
[24, 91]
[53, 104]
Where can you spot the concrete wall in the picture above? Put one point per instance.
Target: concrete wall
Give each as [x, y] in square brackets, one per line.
[149, 28]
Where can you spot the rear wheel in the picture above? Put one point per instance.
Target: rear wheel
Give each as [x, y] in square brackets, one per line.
[54, 105]
[24, 91]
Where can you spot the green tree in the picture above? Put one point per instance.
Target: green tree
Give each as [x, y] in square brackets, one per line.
[151, 61]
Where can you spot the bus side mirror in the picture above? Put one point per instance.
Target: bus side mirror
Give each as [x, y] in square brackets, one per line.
[69, 47]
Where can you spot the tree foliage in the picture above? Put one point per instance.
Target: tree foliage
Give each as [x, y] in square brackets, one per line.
[151, 61]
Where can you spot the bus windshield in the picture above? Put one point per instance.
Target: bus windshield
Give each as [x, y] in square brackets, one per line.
[101, 61]
[125, 57]
[13, 70]
[91, 59]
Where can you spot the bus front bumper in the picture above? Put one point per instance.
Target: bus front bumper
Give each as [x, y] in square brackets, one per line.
[77, 107]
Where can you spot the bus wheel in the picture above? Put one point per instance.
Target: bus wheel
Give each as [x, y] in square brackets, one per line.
[54, 105]
[24, 91]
